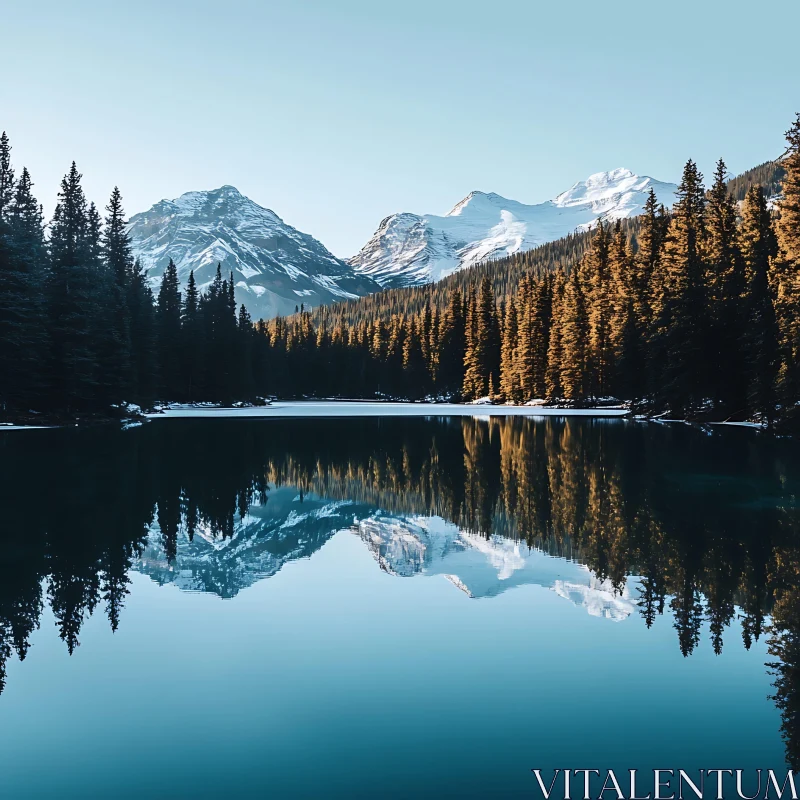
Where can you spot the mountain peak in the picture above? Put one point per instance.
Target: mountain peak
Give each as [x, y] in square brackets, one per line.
[474, 199]
[275, 266]
[602, 187]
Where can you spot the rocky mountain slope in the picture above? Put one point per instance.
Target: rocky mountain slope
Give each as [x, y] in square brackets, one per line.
[409, 249]
[275, 266]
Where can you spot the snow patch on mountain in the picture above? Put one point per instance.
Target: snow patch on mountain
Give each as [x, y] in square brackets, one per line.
[410, 249]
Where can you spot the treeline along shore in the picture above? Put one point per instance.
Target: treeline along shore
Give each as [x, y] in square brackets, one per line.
[691, 312]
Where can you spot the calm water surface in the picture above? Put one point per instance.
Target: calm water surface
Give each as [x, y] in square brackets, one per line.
[392, 607]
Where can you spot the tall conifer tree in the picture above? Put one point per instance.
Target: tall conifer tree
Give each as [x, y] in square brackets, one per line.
[680, 309]
[724, 290]
[760, 330]
[786, 268]
[509, 387]
[574, 327]
[168, 329]
[73, 301]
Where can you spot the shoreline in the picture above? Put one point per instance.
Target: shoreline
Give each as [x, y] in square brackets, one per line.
[372, 408]
[353, 409]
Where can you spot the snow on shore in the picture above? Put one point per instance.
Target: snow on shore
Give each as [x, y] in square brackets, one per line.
[352, 408]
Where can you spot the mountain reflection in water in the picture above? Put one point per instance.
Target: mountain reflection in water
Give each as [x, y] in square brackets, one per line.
[621, 518]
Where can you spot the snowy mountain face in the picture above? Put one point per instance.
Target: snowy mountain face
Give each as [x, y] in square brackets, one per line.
[275, 266]
[408, 249]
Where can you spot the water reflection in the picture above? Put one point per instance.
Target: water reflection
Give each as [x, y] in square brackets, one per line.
[707, 523]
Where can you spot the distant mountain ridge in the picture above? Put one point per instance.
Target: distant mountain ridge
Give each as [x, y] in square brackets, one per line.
[410, 249]
[275, 266]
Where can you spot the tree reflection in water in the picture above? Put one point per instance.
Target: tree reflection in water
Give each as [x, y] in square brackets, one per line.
[707, 520]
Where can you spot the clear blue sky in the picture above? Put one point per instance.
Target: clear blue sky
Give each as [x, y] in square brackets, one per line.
[337, 113]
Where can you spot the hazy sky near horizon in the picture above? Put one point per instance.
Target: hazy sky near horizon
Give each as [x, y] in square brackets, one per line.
[335, 114]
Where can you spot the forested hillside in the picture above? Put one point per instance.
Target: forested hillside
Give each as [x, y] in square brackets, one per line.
[692, 312]
[767, 175]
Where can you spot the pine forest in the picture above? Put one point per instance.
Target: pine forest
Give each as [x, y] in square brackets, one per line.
[691, 312]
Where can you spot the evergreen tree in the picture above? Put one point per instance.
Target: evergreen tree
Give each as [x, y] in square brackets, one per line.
[452, 343]
[244, 350]
[168, 334]
[786, 268]
[144, 365]
[413, 362]
[647, 262]
[542, 302]
[524, 357]
[472, 366]
[626, 344]
[23, 263]
[724, 290]
[680, 308]
[6, 176]
[555, 353]
[191, 341]
[72, 298]
[595, 271]
[509, 387]
[759, 331]
[574, 329]
[116, 375]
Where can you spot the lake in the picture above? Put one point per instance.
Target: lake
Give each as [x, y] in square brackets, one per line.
[392, 607]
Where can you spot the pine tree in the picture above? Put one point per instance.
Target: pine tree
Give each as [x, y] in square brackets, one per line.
[452, 343]
[627, 353]
[483, 343]
[6, 176]
[542, 302]
[680, 309]
[472, 367]
[23, 263]
[647, 262]
[596, 275]
[760, 344]
[144, 365]
[191, 341]
[786, 268]
[574, 327]
[414, 370]
[509, 388]
[433, 347]
[244, 350]
[724, 290]
[72, 298]
[555, 353]
[168, 334]
[524, 357]
[116, 376]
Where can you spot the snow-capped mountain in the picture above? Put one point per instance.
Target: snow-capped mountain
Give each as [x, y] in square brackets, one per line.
[409, 249]
[275, 266]
[291, 527]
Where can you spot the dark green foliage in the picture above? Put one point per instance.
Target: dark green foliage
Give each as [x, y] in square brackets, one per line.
[760, 344]
[23, 262]
[168, 327]
[74, 300]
